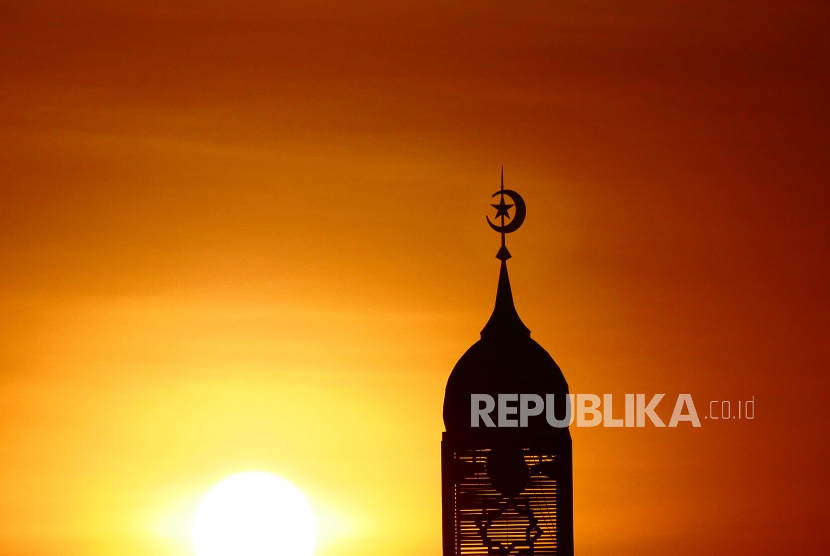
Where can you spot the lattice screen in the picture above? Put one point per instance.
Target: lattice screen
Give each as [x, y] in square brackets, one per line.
[487, 523]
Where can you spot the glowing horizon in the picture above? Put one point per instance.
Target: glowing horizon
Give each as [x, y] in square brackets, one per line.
[247, 236]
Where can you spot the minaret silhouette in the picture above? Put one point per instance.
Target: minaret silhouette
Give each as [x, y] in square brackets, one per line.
[506, 490]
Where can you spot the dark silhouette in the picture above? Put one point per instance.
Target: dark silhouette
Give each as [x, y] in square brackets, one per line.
[506, 491]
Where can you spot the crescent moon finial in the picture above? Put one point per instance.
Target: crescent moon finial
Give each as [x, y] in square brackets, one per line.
[502, 211]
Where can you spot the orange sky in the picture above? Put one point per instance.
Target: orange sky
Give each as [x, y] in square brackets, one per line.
[239, 236]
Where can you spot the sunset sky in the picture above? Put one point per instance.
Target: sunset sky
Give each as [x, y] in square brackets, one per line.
[244, 235]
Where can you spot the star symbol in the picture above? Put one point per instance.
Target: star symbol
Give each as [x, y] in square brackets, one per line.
[502, 208]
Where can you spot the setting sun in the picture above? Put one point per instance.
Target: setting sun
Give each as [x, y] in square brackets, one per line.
[254, 514]
[245, 243]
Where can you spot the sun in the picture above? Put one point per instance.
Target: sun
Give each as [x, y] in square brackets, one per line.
[254, 514]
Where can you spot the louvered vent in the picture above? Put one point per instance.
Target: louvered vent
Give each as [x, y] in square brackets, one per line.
[488, 523]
